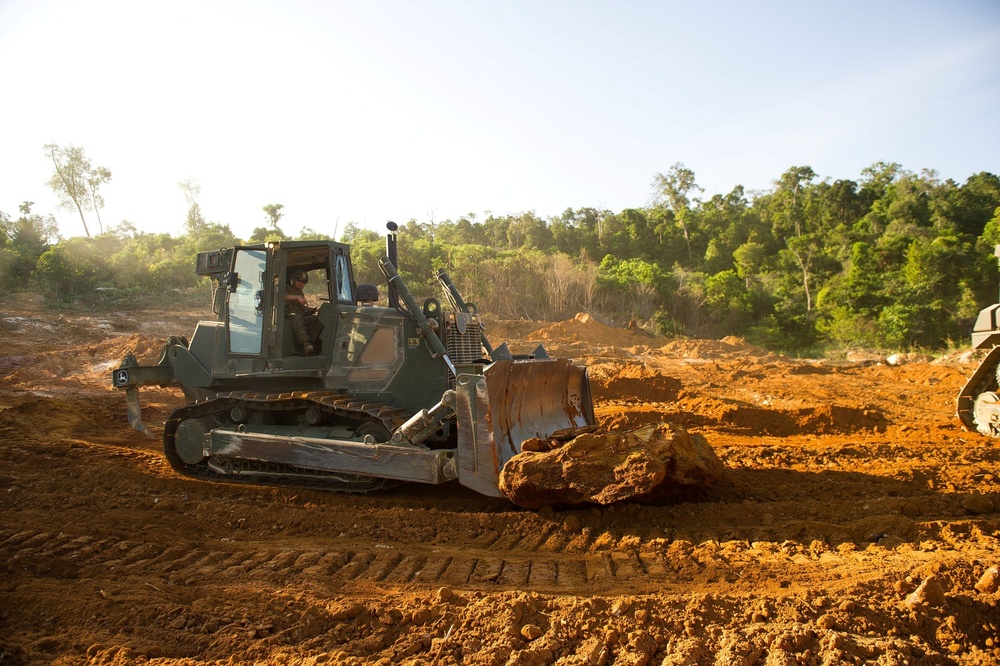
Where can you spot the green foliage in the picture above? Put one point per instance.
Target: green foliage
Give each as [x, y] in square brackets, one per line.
[891, 260]
[844, 328]
[622, 274]
[266, 235]
[726, 298]
[367, 247]
[635, 287]
[75, 267]
[22, 242]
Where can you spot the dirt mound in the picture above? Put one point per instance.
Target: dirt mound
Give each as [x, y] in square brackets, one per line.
[727, 347]
[585, 328]
[816, 420]
[28, 301]
[631, 382]
[50, 417]
[747, 420]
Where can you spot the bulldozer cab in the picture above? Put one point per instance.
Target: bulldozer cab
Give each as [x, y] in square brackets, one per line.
[355, 346]
[250, 297]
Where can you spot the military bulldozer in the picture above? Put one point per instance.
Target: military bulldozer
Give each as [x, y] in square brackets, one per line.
[979, 400]
[393, 392]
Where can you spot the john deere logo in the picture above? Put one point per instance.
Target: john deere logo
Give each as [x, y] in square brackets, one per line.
[121, 377]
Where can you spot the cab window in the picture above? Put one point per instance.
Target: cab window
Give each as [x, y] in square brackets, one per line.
[343, 280]
[246, 314]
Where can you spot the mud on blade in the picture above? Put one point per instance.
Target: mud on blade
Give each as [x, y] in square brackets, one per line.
[513, 401]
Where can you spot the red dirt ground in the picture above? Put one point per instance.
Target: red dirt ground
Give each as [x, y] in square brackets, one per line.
[848, 486]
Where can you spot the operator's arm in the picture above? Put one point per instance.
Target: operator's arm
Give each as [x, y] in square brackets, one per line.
[296, 298]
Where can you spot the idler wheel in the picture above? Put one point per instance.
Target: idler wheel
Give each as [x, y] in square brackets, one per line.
[189, 440]
[987, 413]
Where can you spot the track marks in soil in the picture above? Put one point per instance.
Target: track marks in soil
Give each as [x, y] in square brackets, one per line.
[653, 567]
[494, 568]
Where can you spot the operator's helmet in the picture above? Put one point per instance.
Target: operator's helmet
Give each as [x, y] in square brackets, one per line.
[299, 274]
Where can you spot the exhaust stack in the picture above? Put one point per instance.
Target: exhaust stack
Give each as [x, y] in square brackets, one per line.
[392, 252]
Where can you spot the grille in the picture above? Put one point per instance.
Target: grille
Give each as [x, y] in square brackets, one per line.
[462, 335]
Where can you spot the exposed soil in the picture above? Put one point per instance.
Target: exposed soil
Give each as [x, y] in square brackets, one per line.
[858, 523]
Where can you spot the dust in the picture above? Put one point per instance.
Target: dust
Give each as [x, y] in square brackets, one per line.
[859, 524]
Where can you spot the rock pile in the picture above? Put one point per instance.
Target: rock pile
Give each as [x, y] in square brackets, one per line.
[585, 465]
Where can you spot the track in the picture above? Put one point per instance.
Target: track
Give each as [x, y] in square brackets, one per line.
[982, 380]
[321, 407]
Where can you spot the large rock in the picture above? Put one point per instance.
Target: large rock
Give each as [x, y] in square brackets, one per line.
[589, 466]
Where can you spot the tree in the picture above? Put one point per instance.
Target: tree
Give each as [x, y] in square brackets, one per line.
[749, 260]
[76, 182]
[803, 249]
[671, 191]
[789, 198]
[22, 242]
[727, 302]
[274, 215]
[98, 177]
[6, 226]
[274, 232]
[641, 283]
[973, 204]
[195, 220]
[879, 176]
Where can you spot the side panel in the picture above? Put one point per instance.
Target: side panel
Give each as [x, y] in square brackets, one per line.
[208, 345]
[986, 332]
[377, 352]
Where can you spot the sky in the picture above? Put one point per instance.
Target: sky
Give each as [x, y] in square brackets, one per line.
[378, 110]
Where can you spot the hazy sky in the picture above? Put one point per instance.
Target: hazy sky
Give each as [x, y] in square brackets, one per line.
[373, 110]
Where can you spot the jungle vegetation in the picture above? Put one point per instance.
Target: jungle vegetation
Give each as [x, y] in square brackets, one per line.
[892, 260]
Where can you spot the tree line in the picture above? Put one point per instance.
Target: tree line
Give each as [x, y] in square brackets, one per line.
[891, 260]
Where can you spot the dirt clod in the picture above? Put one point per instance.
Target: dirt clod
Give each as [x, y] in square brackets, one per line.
[989, 582]
[531, 631]
[929, 593]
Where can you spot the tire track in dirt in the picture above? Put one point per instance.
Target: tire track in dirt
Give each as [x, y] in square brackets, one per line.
[496, 568]
[491, 569]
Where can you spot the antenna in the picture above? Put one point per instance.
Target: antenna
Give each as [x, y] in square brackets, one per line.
[996, 252]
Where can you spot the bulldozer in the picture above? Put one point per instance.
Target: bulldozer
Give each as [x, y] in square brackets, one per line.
[388, 392]
[978, 403]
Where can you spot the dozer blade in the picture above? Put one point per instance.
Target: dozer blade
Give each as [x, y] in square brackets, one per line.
[513, 401]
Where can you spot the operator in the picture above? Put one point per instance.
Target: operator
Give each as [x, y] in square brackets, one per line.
[305, 324]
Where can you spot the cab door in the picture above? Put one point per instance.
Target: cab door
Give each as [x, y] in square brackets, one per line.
[245, 322]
